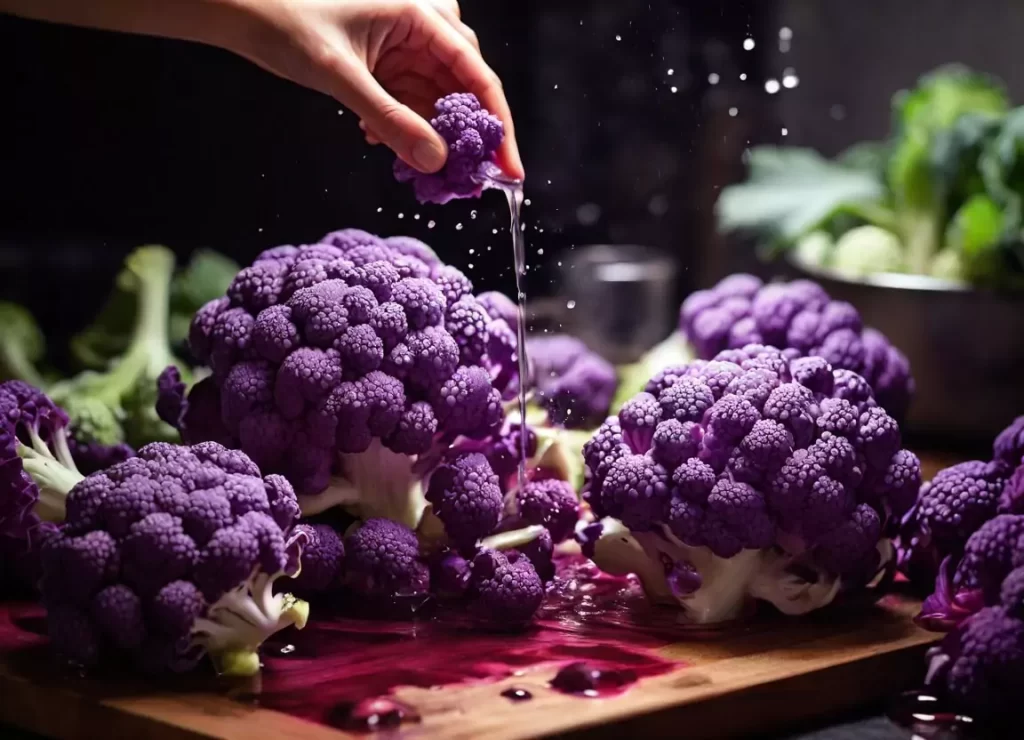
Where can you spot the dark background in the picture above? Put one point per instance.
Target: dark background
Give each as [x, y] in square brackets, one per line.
[109, 141]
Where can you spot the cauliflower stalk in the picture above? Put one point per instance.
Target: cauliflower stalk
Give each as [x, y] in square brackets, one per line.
[750, 477]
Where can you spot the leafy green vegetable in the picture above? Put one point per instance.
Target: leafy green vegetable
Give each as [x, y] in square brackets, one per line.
[944, 195]
[975, 232]
[923, 117]
[791, 191]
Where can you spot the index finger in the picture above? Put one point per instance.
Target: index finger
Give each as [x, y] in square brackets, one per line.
[469, 68]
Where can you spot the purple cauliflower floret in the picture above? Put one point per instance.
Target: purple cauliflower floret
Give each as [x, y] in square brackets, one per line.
[574, 384]
[382, 558]
[323, 560]
[748, 453]
[466, 496]
[1009, 444]
[506, 588]
[636, 490]
[159, 551]
[980, 666]
[473, 136]
[988, 555]
[951, 507]
[551, 503]
[799, 316]
[1011, 500]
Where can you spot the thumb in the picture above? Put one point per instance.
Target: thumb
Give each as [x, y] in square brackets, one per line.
[403, 130]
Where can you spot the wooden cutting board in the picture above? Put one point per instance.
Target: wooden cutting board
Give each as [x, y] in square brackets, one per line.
[759, 681]
[768, 680]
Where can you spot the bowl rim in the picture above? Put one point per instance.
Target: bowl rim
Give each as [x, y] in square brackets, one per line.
[892, 280]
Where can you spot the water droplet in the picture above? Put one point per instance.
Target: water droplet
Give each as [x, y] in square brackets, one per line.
[287, 649]
[516, 695]
[431, 224]
[789, 78]
[341, 112]
[458, 227]
[743, 76]
[734, 111]
[671, 72]
[416, 216]
[380, 209]
[570, 305]
[771, 86]
[785, 33]
[470, 265]
[260, 229]
[472, 214]
[713, 78]
[401, 215]
[748, 44]
[472, 251]
[618, 37]
[588, 214]
[658, 205]
[556, 85]
[674, 89]
[494, 231]
[785, 132]
[540, 251]
[527, 201]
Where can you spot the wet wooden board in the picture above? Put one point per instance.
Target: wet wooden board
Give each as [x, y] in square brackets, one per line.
[769, 679]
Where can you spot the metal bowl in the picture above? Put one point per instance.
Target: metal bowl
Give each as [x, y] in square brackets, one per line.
[965, 346]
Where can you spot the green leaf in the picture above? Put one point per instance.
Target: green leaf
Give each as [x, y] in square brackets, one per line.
[791, 191]
[867, 156]
[943, 95]
[955, 154]
[976, 232]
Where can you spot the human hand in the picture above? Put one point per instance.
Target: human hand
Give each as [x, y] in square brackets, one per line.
[386, 60]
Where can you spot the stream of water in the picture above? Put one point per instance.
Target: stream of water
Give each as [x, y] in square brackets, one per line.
[514, 193]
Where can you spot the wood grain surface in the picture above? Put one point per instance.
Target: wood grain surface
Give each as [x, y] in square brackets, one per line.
[781, 673]
[789, 671]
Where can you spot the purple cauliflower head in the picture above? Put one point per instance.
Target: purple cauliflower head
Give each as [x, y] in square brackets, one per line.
[573, 384]
[797, 316]
[752, 457]
[158, 554]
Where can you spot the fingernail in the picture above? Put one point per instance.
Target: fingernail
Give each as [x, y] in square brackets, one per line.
[427, 156]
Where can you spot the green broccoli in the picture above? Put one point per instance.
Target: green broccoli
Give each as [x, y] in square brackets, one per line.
[118, 404]
[22, 345]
